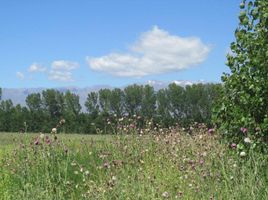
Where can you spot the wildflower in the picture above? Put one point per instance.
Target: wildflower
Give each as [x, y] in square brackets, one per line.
[233, 146]
[113, 178]
[132, 126]
[106, 165]
[244, 130]
[62, 121]
[48, 141]
[165, 194]
[42, 136]
[247, 140]
[243, 154]
[54, 130]
[86, 172]
[36, 142]
[211, 130]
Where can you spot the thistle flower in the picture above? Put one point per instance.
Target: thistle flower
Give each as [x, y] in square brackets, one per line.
[62, 121]
[247, 140]
[244, 130]
[211, 130]
[165, 194]
[42, 136]
[243, 154]
[36, 142]
[54, 130]
[233, 145]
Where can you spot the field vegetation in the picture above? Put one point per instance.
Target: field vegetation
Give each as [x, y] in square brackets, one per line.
[205, 141]
[161, 164]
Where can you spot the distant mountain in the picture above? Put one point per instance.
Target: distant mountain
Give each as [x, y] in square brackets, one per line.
[18, 95]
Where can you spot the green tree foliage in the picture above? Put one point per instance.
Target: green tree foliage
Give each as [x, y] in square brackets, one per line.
[36, 109]
[133, 99]
[166, 107]
[148, 104]
[177, 101]
[245, 94]
[53, 102]
[163, 114]
[92, 103]
[116, 102]
[6, 115]
[0, 94]
[72, 109]
[104, 100]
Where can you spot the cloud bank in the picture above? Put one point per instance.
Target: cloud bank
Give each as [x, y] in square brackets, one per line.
[61, 70]
[155, 52]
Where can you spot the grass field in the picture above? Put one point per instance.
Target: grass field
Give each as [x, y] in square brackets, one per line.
[164, 164]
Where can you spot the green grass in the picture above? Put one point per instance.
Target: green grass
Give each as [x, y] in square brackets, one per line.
[166, 165]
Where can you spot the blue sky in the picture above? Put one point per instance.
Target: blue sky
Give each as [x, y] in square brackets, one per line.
[56, 43]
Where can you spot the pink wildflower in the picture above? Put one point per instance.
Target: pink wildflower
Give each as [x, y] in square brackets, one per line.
[244, 130]
[211, 130]
[233, 146]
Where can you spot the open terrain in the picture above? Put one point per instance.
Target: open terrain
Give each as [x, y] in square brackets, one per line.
[163, 164]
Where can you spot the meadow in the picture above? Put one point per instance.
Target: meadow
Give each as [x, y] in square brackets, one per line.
[158, 164]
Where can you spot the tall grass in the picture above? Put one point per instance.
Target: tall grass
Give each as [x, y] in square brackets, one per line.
[163, 164]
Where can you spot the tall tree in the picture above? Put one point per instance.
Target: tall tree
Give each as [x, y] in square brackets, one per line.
[245, 96]
[71, 113]
[104, 100]
[36, 109]
[54, 105]
[72, 104]
[176, 98]
[92, 104]
[116, 102]
[133, 99]
[6, 110]
[163, 108]
[148, 102]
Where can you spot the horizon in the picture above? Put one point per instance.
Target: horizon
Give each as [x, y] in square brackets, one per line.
[149, 82]
[84, 44]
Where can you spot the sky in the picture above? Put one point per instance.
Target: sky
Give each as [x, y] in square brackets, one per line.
[84, 43]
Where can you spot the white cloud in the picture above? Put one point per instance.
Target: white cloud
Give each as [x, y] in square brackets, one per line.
[20, 75]
[155, 52]
[61, 70]
[64, 65]
[36, 68]
[65, 76]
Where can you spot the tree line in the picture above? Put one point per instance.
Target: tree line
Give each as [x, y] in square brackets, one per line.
[165, 107]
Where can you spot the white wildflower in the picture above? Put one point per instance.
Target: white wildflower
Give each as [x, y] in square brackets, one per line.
[54, 130]
[247, 140]
[243, 154]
